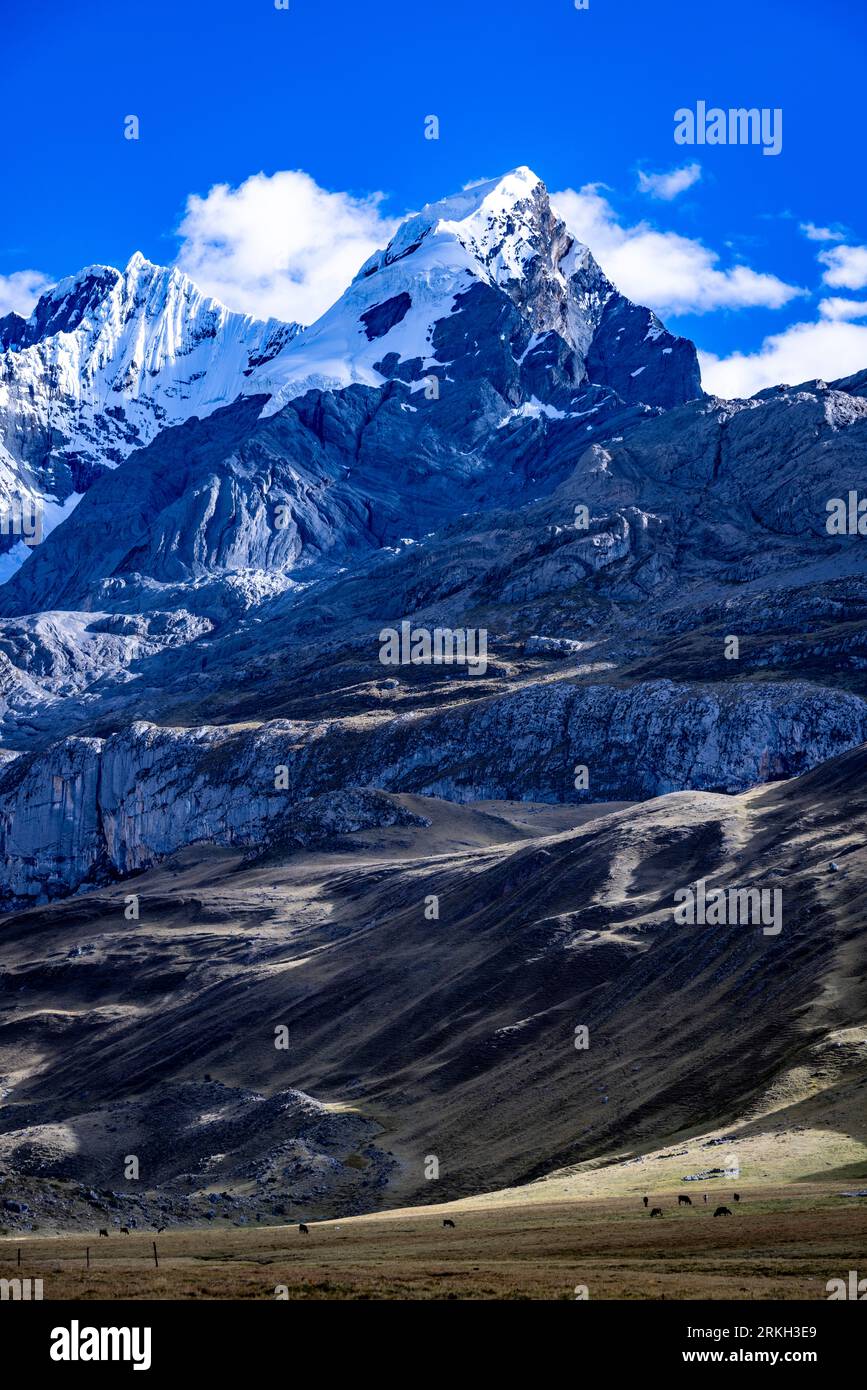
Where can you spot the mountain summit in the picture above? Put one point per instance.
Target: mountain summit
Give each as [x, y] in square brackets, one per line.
[106, 360]
[503, 236]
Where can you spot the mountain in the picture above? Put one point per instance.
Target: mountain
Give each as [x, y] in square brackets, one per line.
[410, 1036]
[458, 257]
[105, 361]
[197, 715]
[402, 405]
[350, 508]
[607, 645]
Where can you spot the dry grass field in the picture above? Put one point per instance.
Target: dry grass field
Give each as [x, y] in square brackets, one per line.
[780, 1243]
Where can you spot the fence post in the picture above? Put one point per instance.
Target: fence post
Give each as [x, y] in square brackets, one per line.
[156, 1258]
[88, 1256]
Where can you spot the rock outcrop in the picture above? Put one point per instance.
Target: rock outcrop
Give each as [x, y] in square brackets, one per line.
[87, 810]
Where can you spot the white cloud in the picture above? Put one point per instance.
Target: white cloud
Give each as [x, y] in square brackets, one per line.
[20, 291]
[832, 347]
[279, 245]
[803, 352]
[814, 233]
[847, 267]
[667, 186]
[836, 309]
[671, 273]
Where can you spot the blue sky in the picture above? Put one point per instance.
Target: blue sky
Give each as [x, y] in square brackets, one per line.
[225, 91]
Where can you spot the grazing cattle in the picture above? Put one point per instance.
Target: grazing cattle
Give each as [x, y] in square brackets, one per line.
[124, 1230]
[705, 1198]
[159, 1230]
[737, 1196]
[447, 1222]
[657, 1211]
[645, 1200]
[304, 1230]
[684, 1201]
[103, 1232]
[722, 1211]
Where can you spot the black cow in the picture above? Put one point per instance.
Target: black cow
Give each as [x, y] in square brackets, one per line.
[645, 1200]
[125, 1231]
[722, 1211]
[657, 1211]
[447, 1222]
[737, 1196]
[304, 1230]
[103, 1232]
[684, 1201]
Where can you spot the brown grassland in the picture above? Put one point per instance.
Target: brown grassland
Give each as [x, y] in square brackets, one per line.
[780, 1243]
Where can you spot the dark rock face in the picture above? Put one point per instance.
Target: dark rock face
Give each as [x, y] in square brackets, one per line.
[618, 357]
[329, 477]
[164, 501]
[13, 329]
[382, 317]
[63, 312]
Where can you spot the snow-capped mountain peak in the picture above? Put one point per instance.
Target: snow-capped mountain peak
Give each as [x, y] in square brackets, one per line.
[502, 234]
[495, 221]
[65, 305]
[486, 284]
[513, 239]
[107, 359]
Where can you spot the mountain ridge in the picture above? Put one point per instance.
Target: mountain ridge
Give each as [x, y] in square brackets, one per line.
[106, 360]
[109, 358]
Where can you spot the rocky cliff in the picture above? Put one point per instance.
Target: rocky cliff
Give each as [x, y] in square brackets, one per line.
[87, 810]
